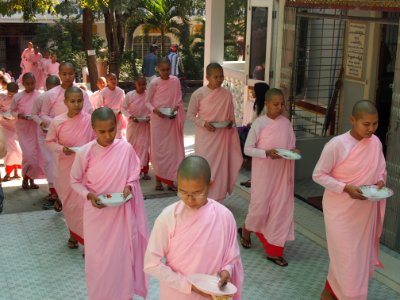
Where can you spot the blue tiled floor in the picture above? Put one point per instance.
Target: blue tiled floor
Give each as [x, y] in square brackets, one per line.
[36, 263]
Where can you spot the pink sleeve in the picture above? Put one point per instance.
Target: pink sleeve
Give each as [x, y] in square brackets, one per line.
[157, 249]
[134, 167]
[250, 148]
[322, 172]
[150, 94]
[193, 109]
[36, 111]
[13, 107]
[45, 112]
[78, 173]
[52, 140]
[124, 107]
[87, 105]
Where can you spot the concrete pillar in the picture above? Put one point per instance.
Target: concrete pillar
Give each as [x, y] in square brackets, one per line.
[214, 34]
[391, 230]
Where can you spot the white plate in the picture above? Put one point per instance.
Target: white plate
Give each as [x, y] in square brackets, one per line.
[209, 285]
[221, 124]
[167, 111]
[28, 117]
[114, 199]
[75, 149]
[288, 154]
[142, 119]
[8, 116]
[372, 192]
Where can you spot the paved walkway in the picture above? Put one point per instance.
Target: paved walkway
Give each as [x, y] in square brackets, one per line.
[36, 263]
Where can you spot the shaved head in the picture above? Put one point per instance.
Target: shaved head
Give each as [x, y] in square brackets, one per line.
[28, 75]
[72, 90]
[66, 64]
[363, 107]
[271, 93]
[193, 168]
[212, 67]
[12, 87]
[103, 114]
[53, 80]
[164, 60]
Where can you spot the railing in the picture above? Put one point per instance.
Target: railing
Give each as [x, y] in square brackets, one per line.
[235, 81]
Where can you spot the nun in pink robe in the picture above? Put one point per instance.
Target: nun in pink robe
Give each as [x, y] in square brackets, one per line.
[270, 213]
[138, 134]
[180, 235]
[32, 161]
[353, 227]
[115, 237]
[53, 104]
[69, 132]
[113, 99]
[166, 142]
[41, 136]
[13, 158]
[25, 60]
[36, 68]
[220, 148]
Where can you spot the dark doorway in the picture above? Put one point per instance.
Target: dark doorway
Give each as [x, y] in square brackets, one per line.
[13, 55]
[387, 60]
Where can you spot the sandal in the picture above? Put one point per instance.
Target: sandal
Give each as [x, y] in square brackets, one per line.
[32, 185]
[280, 261]
[159, 187]
[48, 204]
[72, 244]
[6, 178]
[16, 177]
[146, 177]
[246, 183]
[172, 188]
[244, 242]
[57, 205]
[25, 184]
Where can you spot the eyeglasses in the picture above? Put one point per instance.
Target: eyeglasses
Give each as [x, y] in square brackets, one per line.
[196, 196]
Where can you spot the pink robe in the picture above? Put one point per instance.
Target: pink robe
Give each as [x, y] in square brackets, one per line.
[36, 69]
[43, 66]
[353, 227]
[167, 150]
[192, 241]
[115, 237]
[95, 99]
[53, 104]
[113, 99]
[221, 148]
[14, 153]
[51, 69]
[32, 161]
[137, 134]
[69, 132]
[41, 136]
[25, 60]
[272, 181]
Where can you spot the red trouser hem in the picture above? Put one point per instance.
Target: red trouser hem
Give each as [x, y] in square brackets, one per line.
[166, 181]
[77, 238]
[270, 250]
[145, 169]
[329, 288]
[11, 168]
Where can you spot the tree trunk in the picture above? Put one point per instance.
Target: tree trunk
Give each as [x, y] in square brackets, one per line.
[87, 37]
[129, 39]
[112, 40]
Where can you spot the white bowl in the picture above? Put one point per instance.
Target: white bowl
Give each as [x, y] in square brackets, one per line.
[142, 119]
[209, 285]
[8, 116]
[28, 117]
[288, 154]
[167, 111]
[75, 149]
[114, 199]
[372, 192]
[222, 124]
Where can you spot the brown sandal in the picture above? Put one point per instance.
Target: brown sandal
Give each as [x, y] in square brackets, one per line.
[244, 242]
[159, 187]
[72, 244]
[57, 205]
[280, 261]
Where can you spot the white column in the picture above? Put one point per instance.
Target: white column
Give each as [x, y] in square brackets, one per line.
[214, 34]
